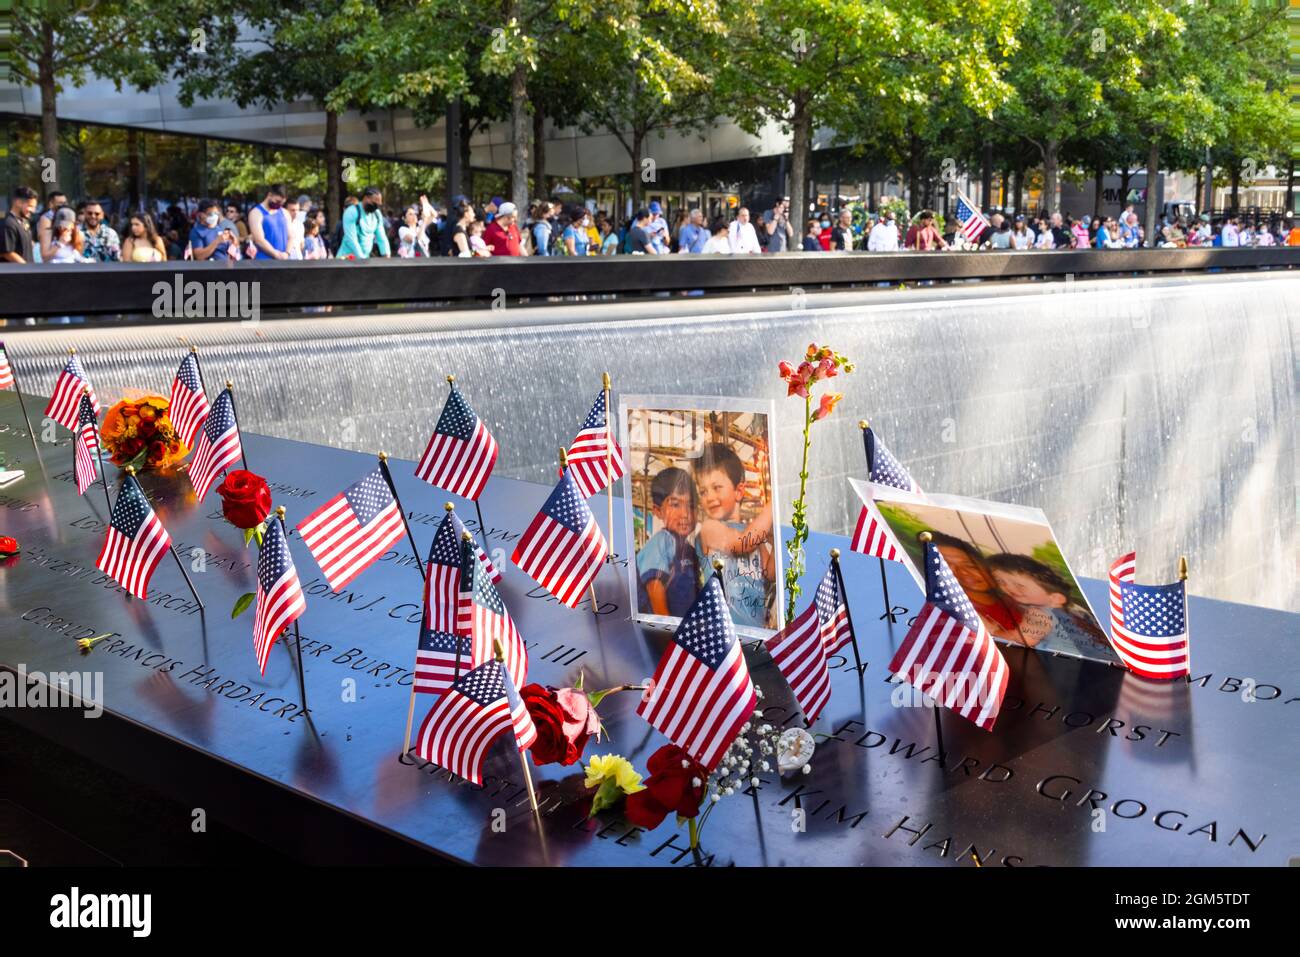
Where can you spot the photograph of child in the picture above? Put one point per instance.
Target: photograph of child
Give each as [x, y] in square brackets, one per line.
[1009, 564]
[699, 490]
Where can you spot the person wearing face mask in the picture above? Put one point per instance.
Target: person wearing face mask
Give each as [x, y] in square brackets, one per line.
[363, 227]
[825, 232]
[268, 225]
[211, 236]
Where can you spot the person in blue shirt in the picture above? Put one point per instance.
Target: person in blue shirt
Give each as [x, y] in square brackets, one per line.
[268, 225]
[746, 553]
[694, 235]
[211, 236]
[668, 571]
[363, 227]
[658, 229]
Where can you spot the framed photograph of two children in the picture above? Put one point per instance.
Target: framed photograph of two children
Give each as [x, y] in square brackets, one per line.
[701, 486]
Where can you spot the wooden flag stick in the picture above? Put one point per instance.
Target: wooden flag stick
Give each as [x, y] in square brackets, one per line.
[388, 477]
[242, 454]
[844, 597]
[203, 385]
[297, 636]
[1187, 625]
[130, 470]
[99, 451]
[22, 403]
[609, 469]
[523, 758]
[595, 605]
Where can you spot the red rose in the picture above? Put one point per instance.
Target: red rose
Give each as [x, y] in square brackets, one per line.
[675, 786]
[8, 546]
[245, 499]
[564, 719]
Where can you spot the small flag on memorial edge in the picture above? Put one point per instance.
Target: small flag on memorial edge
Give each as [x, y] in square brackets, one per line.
[482, 615]
[800, 650]
[6, 373]
[217, 447]
[595, 459]
[280, 600]
[87, 445]
[461, 451]
[135, 542]
[701, 694]
[1148, 623]
[872, 536]
[480, 705]
[189, 406]
[442, 572]
[68, 390]
[948, 654]
[562, 549]
[439, 656]
[970, 220]
[350, 531]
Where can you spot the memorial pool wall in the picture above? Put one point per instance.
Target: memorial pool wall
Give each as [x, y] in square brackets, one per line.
[1156, 414]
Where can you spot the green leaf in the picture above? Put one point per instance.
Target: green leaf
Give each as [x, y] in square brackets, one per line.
[248, 537]
[259, 533]
[241, 605]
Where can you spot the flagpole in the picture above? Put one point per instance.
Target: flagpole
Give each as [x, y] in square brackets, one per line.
[863, 424]
[297, 636]
[99, 451]
[130, 470]
[595, 605]
[1187, 625]
[388, 477]
[925, 539]
[22, 404]
[523, 758]
[467, 539]
[230, 387]
[844, 595]
[609, 468]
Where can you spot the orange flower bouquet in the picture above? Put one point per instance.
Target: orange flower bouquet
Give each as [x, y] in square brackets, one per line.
[138, 432]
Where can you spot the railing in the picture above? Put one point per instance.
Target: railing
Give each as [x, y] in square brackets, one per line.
[135, 290]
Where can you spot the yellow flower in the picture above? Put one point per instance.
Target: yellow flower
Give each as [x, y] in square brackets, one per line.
[616, 768]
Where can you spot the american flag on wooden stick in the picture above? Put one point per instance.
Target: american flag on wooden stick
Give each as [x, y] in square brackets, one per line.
[189, 406]
[1148, 623]
[85, 465]
[350, 531]
[872, 536]
[218, 446]
[595, 459]
[6, 371]
[562, 549]
[482, 615]
[65, 401]
[461, 452]
[280, 600]
[136, 541]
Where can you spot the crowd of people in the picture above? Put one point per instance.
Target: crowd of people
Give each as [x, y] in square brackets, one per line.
[284, 227]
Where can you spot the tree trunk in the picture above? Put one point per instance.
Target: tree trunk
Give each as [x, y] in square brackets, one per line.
[519, 137]
[49, 104]
[636, 171]
[1051, 173]
[1098, 191]
[800, 157]
[539, 152]
[1236, 187]
[1153, 174]
[1125, 175]
[466, 171]
[913, 174]
[333, 170]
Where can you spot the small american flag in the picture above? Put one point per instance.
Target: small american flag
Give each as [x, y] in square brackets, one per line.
[482, 615]
[441, 655]
[872, 536]
[563, 548]
[595, 452]
[189, 406]
[800, 654]
[66, 399]
[218, 446]
[1148, 623]
[701, 693]
[442, 578]
[135, 542]
[461, 452]
[6, 372]
[479, 706]
[948, 654]
[350, 531]
[970, 219]
[280, 600]
[87, 445]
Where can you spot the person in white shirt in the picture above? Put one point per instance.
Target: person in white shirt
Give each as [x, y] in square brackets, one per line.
[883, 237]
[743, 237]
[719, 240]
[1231, 235]
[297, 215]
[1022, 237]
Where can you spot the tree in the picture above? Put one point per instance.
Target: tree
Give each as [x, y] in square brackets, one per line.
[56, 42]
[805, 64]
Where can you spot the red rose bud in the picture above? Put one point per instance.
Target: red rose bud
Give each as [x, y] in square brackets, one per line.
[245, 499]
[8, 546]
[565, 721]
[675, 786]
